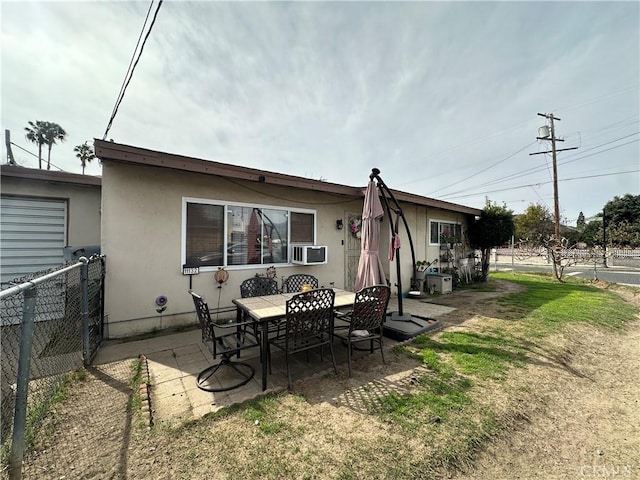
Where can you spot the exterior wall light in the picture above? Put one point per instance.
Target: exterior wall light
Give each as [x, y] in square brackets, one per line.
[339, 224]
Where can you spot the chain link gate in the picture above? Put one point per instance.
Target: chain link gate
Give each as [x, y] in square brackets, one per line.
[51, 324]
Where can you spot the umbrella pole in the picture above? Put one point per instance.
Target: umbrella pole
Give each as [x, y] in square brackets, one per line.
[375, 173]
[394, 230]
[399, 325]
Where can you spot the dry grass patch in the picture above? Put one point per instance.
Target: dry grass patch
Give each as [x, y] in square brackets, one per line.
[504, 362]
[425, 414]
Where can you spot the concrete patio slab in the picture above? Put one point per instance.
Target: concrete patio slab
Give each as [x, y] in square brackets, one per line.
[174, 361]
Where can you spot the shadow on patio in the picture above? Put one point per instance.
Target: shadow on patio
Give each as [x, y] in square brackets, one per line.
[175, 360]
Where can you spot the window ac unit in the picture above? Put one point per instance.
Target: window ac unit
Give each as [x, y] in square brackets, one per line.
[308, 254]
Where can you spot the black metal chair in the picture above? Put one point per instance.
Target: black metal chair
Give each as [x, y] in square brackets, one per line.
[293, 283]
[224, 345]
[308, 324]
[258, 286]
[364, 322]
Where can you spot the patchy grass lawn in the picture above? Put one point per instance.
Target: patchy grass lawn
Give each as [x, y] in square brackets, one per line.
[426, 414]
[461, 393]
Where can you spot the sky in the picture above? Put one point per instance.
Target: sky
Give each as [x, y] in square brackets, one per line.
[442, 97]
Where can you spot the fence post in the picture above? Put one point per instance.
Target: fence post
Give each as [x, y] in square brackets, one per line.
[103, 275]
[84, 308]
[22, 387]
[513, 250]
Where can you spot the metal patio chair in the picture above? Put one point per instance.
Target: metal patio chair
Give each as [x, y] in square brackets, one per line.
[293, 283]
[364, 322]
[308, 324]
[258, 287]
[227, 342]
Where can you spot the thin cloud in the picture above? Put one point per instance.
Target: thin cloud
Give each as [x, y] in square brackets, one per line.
[429, 92]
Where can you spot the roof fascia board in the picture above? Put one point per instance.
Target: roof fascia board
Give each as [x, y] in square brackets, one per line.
[111, 151]
[49, 176]
[434, 203]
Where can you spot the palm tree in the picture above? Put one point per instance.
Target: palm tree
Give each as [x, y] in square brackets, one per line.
[52, 133]
[85, 153]
[35, 133]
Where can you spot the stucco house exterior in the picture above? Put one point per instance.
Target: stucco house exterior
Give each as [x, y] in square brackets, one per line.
[165, 214]
[41, 213]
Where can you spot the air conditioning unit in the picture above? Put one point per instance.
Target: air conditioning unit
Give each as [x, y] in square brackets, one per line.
[308, 254]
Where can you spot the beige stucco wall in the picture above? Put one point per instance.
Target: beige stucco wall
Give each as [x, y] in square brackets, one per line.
[141, 237]
[418, 218]
[435, 214]
[83, 205]
[141, 225]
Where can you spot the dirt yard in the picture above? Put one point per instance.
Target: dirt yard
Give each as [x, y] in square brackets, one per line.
[586, 423]
[581, 418]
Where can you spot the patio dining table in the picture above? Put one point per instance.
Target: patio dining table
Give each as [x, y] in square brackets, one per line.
[268, 308]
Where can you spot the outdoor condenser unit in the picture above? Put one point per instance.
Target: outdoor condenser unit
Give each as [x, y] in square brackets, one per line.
[308, 254]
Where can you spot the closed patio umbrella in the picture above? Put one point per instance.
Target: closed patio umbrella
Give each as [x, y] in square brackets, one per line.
[370, 271]
[398, 325]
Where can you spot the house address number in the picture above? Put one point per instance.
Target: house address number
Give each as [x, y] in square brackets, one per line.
[190, 270]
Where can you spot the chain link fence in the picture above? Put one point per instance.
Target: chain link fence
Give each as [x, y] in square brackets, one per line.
[51, 324]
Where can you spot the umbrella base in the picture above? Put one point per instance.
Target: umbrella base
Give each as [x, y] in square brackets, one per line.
[403, 327]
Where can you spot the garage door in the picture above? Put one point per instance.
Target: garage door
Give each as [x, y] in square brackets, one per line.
[32, 235]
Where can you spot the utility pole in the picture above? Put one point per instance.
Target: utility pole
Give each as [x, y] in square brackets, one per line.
[549, 133]
[556, 207]
[7, 141]
[604, 236]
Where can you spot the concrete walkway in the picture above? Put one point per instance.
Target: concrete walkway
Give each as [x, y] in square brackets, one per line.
[175, 360]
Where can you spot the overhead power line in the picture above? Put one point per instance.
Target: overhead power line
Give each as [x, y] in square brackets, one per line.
[31, 153]
[568, 159]
[131, 68]
[529, 171]
[597, 99]
[24, 150]
[133, 57]
[483, 170]
[544, 183]
[538, 169]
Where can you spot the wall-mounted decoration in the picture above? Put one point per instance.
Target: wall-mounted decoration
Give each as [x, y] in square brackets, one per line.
[355, 226]
[161, 303]
[221, 276]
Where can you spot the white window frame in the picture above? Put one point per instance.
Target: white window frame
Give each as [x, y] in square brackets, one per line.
[226, 204]
[439, 221]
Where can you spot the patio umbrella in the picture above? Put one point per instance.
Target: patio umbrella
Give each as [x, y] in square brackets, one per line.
[370, 271]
